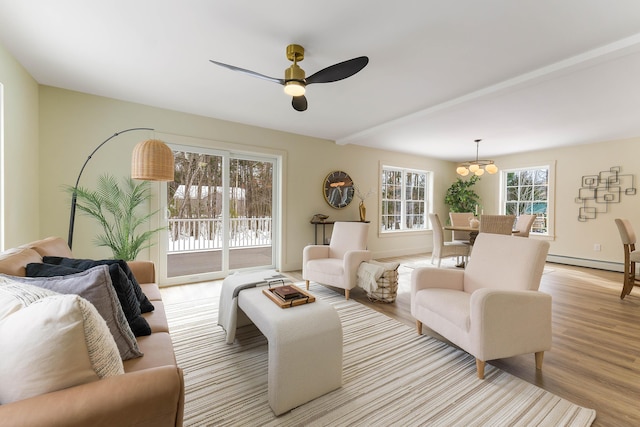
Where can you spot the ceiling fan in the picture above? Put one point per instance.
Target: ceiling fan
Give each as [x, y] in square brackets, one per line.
[294, 80]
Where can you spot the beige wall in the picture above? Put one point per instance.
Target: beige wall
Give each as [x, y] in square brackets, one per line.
[62, 127]
[20, 156]
[575, 239]
[72, 124]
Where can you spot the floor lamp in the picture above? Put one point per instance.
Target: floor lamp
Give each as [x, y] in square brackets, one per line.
[152, 160]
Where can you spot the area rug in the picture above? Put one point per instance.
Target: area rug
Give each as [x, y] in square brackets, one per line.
[391, 376]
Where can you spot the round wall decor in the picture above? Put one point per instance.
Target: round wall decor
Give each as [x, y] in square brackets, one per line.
[337, 189]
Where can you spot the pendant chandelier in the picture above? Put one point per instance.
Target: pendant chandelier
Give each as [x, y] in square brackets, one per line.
[476, 166]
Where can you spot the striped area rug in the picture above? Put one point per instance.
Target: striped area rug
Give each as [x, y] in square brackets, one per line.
[392, 377]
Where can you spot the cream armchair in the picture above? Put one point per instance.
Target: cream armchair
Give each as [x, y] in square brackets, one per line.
[493, 308]
[337, 264]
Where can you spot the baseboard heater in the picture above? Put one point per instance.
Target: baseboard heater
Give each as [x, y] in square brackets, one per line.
[583, 262]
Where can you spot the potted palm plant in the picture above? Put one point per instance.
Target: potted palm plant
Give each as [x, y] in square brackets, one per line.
[117, 208]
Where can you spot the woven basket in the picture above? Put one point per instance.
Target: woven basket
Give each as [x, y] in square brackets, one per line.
[387, 285]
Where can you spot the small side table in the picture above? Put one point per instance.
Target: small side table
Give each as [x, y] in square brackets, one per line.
[315, 230]
[324, 232]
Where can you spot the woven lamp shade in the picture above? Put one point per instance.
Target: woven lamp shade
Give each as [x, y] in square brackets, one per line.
[152, 160]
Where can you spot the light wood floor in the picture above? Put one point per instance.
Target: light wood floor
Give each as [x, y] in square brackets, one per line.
[595, 359]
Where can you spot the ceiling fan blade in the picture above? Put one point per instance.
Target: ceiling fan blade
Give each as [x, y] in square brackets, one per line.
[249, 72]
[339, 71]
[299, 103]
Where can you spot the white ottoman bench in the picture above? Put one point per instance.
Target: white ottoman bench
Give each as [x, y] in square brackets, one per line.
[305, 348]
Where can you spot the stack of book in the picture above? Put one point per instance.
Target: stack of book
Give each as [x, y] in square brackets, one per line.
[288, 296]
[287, 292]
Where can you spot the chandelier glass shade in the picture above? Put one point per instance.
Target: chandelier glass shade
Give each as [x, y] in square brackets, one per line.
[477, 166]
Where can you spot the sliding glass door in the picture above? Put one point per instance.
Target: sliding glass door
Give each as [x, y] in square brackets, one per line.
[220, 214]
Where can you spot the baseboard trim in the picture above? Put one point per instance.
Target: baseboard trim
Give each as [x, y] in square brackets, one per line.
[583, 262]
[402, 252]
[557, 259]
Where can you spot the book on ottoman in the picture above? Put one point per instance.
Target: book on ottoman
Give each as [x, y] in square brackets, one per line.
[287, 292]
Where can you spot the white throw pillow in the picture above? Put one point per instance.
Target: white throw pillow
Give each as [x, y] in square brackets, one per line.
[54, 343]
[95, 286]
[15, 296]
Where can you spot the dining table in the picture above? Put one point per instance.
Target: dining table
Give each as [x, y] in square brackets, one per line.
[473, 231]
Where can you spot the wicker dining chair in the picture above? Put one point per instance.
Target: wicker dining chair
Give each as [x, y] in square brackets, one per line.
[524, 224]
[460, 218]
[497, 224]
[631, 255]
[442, 249]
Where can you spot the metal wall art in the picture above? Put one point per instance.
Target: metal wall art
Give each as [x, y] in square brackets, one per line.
[598, 191]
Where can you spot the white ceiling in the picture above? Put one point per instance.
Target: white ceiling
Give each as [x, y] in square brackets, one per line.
[521, 75]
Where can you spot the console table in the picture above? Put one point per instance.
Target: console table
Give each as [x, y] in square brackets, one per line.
[324, 232]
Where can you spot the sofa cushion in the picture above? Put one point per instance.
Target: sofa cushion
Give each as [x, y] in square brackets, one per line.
[50, 246]
[124, 292]
[95, 286]
[84, 264]
[13, 261]
[53, 343]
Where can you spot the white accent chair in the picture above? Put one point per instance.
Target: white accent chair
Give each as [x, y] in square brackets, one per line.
[442, 249]
[631, 255]
[524, 224]
[337, 264]
[492, 309]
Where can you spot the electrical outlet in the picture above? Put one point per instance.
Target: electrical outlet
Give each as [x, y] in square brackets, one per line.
[596, 247]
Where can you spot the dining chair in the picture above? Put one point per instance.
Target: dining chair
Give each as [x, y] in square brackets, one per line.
[524, 224]
[497, 224]
[460, 219]
[442, 249]
[631, 255]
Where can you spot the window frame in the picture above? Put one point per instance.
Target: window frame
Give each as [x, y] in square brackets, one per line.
[551, 167]
[427, 202]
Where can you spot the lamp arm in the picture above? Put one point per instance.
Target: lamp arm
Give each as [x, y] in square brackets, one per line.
[74, 197]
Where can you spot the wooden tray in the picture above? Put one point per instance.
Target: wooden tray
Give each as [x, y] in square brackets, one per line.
[307, 299]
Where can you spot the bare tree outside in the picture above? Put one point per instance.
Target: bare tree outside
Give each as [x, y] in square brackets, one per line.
[195, 203]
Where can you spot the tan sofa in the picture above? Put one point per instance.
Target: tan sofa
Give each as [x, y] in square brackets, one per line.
[150, 393]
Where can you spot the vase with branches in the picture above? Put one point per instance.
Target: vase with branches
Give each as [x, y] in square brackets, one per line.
[117, 207]
[362, 196]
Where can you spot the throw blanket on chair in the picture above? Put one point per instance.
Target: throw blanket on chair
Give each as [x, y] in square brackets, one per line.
[231, 287]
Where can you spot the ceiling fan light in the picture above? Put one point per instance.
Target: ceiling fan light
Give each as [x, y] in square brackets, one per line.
[474, 168]
[491, 168]
[294, 88]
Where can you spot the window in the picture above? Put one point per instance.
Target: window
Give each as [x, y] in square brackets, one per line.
[404, 199]
[527, 192]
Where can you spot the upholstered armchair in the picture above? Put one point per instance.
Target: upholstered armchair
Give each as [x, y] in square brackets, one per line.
[337, 264]
[492, 309]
